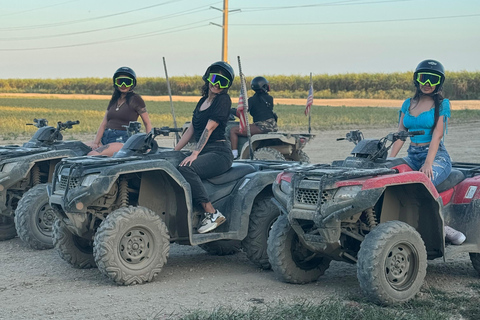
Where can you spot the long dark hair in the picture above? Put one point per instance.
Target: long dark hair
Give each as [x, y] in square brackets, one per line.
[437, 100]
[116, 95]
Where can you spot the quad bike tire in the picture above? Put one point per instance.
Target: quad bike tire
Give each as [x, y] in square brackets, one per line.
[290, 260]
[34, 218]
[222, 247]
[264, 213]
[267, 153]
[7, 228]
[75, 250]
[392, 263]
[475, 258]
[131, 245]
[300, 156]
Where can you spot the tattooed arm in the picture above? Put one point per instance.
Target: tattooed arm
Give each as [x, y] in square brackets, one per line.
[211, 125]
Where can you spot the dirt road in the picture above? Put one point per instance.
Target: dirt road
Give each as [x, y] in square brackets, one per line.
[40, 285]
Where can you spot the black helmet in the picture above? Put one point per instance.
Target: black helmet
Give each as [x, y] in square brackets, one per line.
[127, 72]
[260, 84]
[223, 66]
[432, 66]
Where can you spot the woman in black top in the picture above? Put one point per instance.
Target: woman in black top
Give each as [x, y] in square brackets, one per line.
[212, 155]
[260, 106]
[124, 106]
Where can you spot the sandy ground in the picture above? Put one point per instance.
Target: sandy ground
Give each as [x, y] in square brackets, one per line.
[456, 104]
[40, 285]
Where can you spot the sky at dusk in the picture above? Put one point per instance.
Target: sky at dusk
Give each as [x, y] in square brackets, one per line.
[87, 38]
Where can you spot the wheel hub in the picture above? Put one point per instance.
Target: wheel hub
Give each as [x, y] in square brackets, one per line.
[135, 246]
[45, 220]
[399, 266]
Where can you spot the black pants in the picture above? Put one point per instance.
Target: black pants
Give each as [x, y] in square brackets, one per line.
[216, 158]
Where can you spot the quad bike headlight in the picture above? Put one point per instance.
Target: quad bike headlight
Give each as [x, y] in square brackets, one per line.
[88, 180]
[7, 167]
[286, 187]
[347, 193]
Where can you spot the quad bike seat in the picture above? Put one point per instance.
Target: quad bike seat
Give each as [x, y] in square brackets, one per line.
[237, 171]
[454, 178]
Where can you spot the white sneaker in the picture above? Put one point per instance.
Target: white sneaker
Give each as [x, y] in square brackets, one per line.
[454, 236]
[211, 221]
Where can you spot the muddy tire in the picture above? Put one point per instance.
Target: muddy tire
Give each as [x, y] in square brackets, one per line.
[131, 245]
[264, 214]
[268, 154]
[392, 263]
[75, 250]
[34, 218]
[301, 156]
[222, 247]
[290, 260]
[7, 228]
[475, 258]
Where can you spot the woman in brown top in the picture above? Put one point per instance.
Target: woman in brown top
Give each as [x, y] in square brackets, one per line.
[125, 106]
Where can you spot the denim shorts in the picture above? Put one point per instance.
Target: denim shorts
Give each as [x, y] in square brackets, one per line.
[442, 164]
[113, 135]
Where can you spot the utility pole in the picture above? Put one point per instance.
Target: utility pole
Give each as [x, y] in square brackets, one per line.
[224, 29]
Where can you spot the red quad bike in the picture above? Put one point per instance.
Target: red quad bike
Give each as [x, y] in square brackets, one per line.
[373, 211]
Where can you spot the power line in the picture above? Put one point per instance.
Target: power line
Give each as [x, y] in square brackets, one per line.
[58, 24]
[124, 38]
[351, 22]
[173, 15]
[36, 9]
[328, 4]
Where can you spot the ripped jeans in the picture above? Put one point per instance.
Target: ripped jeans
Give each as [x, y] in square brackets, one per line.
[442, 164]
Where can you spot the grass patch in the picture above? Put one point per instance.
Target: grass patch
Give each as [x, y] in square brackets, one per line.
[437, 306]
[16, 112]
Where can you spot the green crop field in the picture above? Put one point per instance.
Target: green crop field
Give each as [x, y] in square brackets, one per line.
[17, 112]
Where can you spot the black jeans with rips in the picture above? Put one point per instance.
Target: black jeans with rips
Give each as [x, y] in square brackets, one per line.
[216, 158]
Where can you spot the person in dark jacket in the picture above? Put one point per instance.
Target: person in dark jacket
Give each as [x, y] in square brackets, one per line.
[212, 155]
[260, 106]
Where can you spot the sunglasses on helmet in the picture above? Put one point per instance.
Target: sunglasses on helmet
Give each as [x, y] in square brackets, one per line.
[216, 78]
[124, 81]
[432, 78]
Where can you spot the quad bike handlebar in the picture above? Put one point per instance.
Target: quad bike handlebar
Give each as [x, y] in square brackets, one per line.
[39, 123]
[66, 125]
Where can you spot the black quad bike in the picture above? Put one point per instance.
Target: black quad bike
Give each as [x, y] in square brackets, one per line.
[376, 212]
[121, 213]
[24, 171]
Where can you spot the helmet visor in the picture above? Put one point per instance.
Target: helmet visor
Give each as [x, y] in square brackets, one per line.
[216, 78]
[425, 77]
[124, 81]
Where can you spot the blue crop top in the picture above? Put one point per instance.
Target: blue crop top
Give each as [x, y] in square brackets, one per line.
[424, 121]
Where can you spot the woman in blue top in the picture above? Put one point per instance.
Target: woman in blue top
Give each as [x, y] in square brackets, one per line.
[428, 111]
[212, 155]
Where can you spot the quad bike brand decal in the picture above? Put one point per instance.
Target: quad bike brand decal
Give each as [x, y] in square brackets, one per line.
[470, 192]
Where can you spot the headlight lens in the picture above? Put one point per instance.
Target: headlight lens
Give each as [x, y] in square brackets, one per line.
[88, 180]
[7, 167]
[347, 193]
[285, 186]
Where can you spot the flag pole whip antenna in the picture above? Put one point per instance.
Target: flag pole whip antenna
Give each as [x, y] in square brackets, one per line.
[243, 93]
[310, 111]
[177, 137]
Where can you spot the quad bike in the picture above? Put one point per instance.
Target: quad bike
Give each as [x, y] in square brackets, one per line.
[24, 170]
[270, 146]
[121, 213]
[31, 170]
[376, 212]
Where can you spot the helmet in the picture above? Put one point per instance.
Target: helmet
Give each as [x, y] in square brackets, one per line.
[223, 66]
[260, 84]
[432, 66]
[127, 72]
